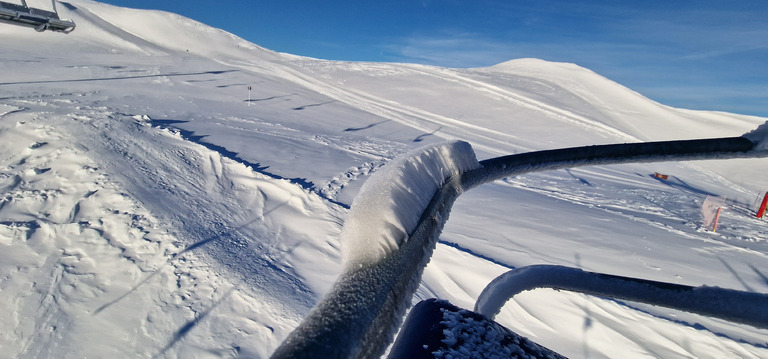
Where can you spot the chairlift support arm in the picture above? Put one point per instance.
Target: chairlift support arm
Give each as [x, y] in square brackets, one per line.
[38, 19]
[732, 305]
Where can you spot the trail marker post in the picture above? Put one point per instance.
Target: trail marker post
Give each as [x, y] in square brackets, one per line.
[717, 218]
[761, 211]
[710, 210]
[249, 96]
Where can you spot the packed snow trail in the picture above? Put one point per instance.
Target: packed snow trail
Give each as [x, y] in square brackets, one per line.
[361, 313]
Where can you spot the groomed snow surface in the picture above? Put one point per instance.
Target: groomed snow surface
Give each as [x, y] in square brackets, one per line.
[759, 137]
[150, 208]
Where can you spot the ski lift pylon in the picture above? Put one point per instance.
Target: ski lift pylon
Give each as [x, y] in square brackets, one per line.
[38, 19]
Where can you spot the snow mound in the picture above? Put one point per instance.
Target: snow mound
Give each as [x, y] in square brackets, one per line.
[390, 203]
[759, 137]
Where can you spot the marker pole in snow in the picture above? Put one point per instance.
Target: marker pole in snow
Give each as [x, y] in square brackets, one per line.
[717, 218]
[249, 96]
[761, 211]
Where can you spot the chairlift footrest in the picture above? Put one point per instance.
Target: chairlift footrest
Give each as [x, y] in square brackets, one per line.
[438, 329]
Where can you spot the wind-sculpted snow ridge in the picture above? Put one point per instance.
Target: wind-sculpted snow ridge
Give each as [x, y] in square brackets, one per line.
[759, 137]
[391, 202]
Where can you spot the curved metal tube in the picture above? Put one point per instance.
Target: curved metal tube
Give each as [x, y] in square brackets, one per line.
[682, 150]
[360, 315]
[710, 301]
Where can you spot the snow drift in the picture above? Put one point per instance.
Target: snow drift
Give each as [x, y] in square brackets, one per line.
[759, 137]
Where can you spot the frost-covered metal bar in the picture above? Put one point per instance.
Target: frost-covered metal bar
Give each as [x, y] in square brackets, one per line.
[683, 150]
[736, 306]
[387, 240]
[360, 315]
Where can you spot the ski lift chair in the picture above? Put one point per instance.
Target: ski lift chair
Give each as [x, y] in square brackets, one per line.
[358, 317]
[38, 19]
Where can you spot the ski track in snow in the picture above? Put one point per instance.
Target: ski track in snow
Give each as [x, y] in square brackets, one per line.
[409, 116]
[450, 128]
[523, 101]
[657, 214]
[116, 33]
[334, 186]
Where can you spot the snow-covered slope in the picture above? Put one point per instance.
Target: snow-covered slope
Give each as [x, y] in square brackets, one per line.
[152, 205]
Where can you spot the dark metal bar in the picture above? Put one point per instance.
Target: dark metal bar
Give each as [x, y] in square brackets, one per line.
[682, 150]
[736, 306]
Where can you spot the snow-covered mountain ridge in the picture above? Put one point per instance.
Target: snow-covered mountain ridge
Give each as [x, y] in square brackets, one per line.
[149, 199]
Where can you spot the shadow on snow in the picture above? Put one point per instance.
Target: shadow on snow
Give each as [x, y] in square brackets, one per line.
[191, 136]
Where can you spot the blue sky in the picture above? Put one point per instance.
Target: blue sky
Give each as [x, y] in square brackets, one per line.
[705, 54]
